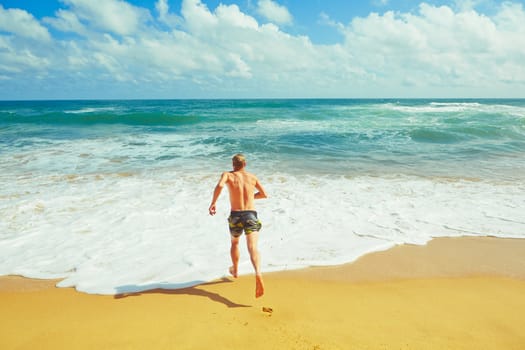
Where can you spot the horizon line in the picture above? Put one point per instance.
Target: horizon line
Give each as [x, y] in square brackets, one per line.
[257, 98]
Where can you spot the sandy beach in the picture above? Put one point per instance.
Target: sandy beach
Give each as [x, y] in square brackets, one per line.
[454, 293]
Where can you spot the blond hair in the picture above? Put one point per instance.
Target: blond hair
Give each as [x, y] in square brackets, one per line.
[238, 161]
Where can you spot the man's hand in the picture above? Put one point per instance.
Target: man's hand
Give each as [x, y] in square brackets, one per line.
[212, 209]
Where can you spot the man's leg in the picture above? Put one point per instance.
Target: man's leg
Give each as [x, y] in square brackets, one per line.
[235, 254]
[251, 241]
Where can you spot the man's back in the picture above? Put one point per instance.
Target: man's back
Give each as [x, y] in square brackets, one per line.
[241, 185]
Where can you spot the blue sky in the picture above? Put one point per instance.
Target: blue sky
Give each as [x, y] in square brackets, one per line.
[261, 48]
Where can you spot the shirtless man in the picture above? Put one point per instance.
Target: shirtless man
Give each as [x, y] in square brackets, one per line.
[241, 186]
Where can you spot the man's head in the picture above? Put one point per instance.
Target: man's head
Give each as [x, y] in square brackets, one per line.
[238, 161]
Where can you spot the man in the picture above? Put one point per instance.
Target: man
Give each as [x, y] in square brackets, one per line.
[243, 217]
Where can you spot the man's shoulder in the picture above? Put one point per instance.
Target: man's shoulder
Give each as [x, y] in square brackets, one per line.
[252, 177]
[226, 177]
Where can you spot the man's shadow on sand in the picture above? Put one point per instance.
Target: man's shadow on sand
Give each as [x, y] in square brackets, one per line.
[170, 289]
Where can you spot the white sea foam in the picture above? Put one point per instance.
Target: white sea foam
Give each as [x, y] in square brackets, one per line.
[113, 233]
[456, 107]
[102, 155]
[92, 110]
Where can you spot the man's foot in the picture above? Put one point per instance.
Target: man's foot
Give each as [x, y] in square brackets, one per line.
[233, 271]
[259, 286]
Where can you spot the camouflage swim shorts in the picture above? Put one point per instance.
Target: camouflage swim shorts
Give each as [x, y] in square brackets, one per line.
[243, 220]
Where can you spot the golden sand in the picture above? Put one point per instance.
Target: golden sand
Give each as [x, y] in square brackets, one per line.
[454, 293]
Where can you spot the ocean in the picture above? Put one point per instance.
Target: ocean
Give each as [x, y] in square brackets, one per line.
[112, 196]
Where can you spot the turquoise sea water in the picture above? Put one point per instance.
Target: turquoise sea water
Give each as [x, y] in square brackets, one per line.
[477, 138]
[120, 189]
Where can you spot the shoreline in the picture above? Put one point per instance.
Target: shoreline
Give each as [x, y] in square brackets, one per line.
[441, 257]
[461, 293]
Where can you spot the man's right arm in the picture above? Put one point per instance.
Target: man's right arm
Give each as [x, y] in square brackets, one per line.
[217, 192]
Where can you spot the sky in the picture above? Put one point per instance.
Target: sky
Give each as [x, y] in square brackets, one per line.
[167, 49]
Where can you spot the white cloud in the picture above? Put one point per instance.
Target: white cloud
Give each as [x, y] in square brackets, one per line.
[115, 16]
[66, 21]
[162, 8]
[197, 16]
[440, 47]
[16, 60]
[24, 48]
[231, 15]
[22, 23]
[274, 12]
[225, 52]
[165, 16]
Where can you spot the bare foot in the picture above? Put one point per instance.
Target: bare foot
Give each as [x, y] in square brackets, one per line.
[259, 286]
[233, 271]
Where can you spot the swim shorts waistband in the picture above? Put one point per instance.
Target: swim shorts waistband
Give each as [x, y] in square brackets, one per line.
[240, 212]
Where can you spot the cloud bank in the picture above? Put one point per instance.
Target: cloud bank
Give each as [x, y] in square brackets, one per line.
[117, 50]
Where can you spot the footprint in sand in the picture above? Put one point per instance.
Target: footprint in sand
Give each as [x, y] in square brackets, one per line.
[267, 309]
